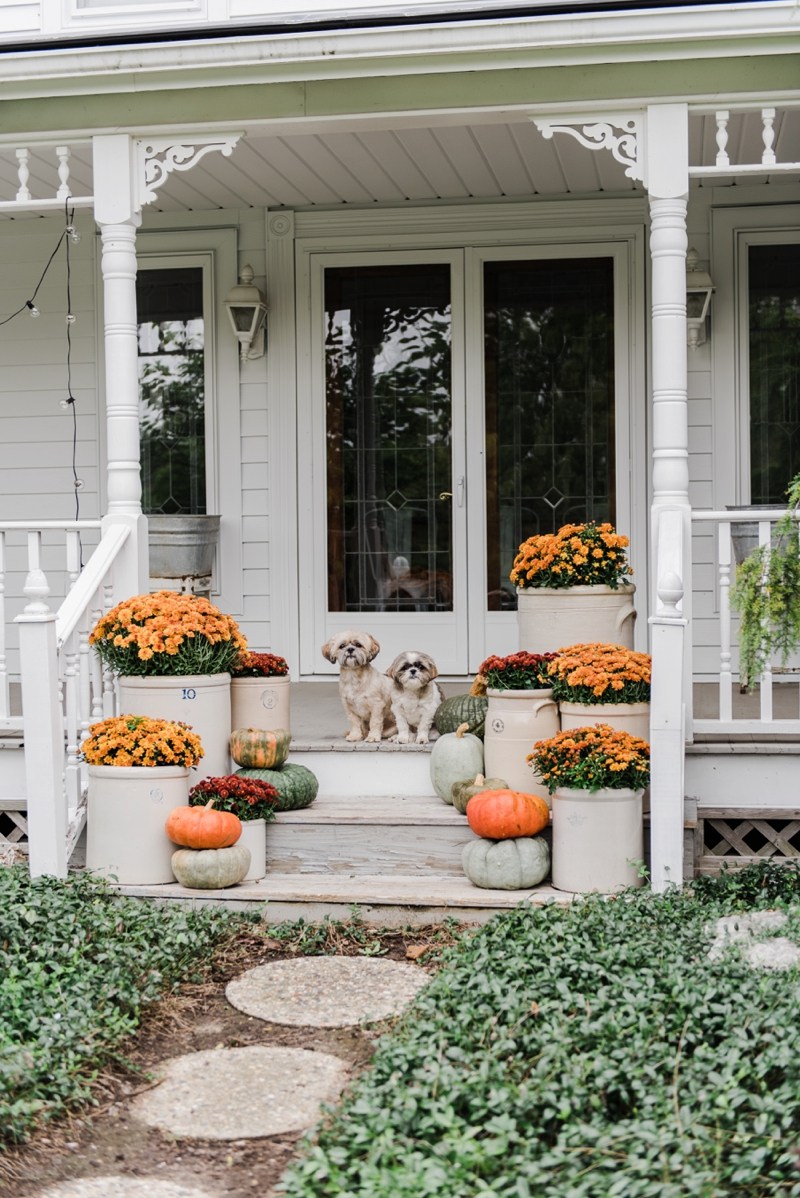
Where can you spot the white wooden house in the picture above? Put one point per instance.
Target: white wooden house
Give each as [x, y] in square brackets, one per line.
[469, 223]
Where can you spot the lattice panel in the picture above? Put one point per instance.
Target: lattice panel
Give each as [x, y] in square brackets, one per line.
[13, 827]
[742, 837]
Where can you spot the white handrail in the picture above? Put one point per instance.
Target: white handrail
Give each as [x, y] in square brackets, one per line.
[90, 580]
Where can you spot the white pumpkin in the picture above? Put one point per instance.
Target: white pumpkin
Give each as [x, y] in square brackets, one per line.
[455, 756]
[211, 869]
[514, 864]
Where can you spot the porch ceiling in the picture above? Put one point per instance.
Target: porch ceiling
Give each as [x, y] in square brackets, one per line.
[364, 162]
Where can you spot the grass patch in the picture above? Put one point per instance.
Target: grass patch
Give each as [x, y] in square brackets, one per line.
[586, 1052]
[77, 966]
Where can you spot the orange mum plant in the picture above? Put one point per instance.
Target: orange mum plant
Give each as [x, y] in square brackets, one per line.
[167, 633]
[139, 740]
[598, 673]
[577, 555]
[593, 758]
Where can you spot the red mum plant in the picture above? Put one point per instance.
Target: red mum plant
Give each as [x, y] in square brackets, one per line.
[249, 798]
[520, 671]
[259, 665]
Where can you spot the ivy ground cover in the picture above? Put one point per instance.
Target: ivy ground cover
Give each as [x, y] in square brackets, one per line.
[77, 966]
[588, 1052]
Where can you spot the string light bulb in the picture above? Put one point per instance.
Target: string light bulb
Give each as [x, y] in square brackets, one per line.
[73, 234]
[78, 484]
[66, 404]
[71, 318]
[31, 306]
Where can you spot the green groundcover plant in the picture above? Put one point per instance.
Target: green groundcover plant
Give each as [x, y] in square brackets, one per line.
[591, 1051]
[77, 966]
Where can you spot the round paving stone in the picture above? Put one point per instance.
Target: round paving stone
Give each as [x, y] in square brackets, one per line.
[121, 1187]
[241, 1093]
[326, 991]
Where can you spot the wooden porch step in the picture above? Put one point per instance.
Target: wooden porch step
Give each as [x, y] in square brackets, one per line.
[364, 834]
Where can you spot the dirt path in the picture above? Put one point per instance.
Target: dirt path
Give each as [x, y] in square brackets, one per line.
[105, 1140]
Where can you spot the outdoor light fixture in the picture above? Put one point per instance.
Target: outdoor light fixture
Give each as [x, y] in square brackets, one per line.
[699, 289]
[247, 310]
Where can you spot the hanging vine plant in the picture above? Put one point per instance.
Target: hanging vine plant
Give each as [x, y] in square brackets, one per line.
[766, 594]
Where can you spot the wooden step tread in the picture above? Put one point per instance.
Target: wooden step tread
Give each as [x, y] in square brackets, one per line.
[371, 809]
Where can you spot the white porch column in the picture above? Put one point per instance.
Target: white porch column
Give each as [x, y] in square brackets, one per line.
[667, 179]
[117, 218]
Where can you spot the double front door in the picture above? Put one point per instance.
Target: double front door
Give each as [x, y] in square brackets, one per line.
[460, 401]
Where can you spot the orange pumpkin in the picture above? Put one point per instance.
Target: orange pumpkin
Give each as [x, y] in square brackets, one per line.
[503, 814]
[203, 827]
[258, 749]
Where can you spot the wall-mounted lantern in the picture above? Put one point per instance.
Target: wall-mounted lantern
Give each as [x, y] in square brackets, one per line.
[247, 311]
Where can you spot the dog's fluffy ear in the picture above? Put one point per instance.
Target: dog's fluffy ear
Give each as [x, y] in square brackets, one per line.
[372, 647]
[395, 666]
[430, 665]
[329, 649]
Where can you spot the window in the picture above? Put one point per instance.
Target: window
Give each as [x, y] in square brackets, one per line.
[774, 345]
[172, 390]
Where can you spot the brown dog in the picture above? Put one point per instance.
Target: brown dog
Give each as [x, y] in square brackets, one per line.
[365, 693]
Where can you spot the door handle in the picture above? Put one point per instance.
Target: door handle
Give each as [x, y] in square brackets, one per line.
[460, 485]
[445, 494]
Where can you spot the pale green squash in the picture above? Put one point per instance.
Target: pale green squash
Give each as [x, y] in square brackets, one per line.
[463, 791]
[211, 869]
[455, 756]
[506, 864]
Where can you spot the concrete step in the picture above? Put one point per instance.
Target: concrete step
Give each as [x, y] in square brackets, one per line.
[366, 834]
[377, 769]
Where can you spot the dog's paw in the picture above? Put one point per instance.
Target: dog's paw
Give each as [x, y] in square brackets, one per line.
[373, 737]
[353, 734]
[422, 738]
[401, 738]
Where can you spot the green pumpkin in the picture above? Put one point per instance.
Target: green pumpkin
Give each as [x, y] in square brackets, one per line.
[296, 785]
[515, 864]
[462, 709]
[455, 756]
[462, 792]
[211, 869]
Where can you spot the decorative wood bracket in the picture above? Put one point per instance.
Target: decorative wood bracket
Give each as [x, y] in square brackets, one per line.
[158, 157]
[622, 134]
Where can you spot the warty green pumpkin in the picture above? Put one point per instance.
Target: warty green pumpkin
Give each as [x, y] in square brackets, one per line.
[462, 709]
[467, 789]
[515, 864]
[455, 756]
[296, 785]
[211, 869]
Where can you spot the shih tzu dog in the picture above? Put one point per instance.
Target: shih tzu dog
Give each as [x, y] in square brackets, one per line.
[414, 695]
[365, 693]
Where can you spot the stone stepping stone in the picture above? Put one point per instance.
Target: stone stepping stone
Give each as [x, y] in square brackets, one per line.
[240, 1093]
[751, 931]
[121, 1187]
[326, 991]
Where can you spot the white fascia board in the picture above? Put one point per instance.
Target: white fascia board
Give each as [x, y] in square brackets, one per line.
[583, 38]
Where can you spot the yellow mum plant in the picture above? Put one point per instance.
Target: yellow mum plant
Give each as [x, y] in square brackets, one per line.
[577, 555]
[167, 633]
[596, 757]
[139, 740]
[599, 673]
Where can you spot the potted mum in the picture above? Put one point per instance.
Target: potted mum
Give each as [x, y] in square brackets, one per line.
[766, 593]
[138, 771]
[599, 683]
[260, 689]
[521, 709]
[574, 585]
[253, 801]
[173, 653]
[597, 776]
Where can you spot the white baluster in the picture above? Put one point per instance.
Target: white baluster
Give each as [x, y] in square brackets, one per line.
[85, 655]
[722, 138]
[725, 671]
[73, 547]
[71, 707]
[97, 681]
[109, 690]
[23, 174]
[64, 191]
[768, 136]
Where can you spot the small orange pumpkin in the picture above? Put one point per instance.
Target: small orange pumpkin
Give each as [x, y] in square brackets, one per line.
[203, 827]
[503, 814]
[259, 749]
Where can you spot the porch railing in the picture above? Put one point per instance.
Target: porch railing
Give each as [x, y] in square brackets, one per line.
[64, 689]
[758, 715]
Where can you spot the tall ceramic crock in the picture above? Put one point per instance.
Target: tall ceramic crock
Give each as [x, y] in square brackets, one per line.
[515, 720]
[127, 808]
[203, 701]
[261, 702]
[551, 617]
[627, 717]
[598, 840]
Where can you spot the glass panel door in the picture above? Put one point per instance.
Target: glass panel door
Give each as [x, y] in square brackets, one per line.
[549, 400]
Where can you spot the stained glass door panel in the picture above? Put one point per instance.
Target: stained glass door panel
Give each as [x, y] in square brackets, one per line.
[389, 438]
[549, 396]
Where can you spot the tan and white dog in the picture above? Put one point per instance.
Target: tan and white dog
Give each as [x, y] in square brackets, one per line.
[415, 696]
[365, 693]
